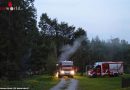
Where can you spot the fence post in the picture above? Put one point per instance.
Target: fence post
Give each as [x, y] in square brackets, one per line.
[125, 82]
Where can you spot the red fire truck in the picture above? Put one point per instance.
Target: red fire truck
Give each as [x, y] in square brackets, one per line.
[106, 68]
[65, 68]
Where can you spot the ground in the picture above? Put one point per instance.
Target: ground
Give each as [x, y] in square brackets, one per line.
[87, 83]
[66, 84]
[36, 82]
[47, 82]
[100, 83]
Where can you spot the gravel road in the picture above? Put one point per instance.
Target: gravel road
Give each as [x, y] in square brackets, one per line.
[66, 84]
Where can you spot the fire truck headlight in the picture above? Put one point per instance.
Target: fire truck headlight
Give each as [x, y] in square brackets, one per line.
[72, 72]
[62, 72]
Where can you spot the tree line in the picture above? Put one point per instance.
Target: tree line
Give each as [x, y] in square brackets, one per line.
[27, 48]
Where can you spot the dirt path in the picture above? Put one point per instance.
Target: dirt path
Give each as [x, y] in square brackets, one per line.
[66, 84]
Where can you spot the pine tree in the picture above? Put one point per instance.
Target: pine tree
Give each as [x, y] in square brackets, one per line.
[18, 30]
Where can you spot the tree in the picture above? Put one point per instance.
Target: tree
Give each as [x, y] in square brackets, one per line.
[56, 34]
[18, 33]
[81, 56]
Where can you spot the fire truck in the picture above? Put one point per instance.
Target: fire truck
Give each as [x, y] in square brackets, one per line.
[65, 68]
[106, 68]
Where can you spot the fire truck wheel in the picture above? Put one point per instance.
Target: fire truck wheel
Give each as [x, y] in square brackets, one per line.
[116, 75]
[94, 75]
[59, 76]
[71, 76]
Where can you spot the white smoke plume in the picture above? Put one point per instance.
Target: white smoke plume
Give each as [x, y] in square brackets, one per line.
[68, 50]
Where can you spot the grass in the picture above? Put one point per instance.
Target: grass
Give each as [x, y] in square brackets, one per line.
[45, 82]
[38, 82]
[102, 83]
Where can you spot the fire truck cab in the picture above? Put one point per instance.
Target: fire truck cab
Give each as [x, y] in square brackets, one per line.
[66, 68]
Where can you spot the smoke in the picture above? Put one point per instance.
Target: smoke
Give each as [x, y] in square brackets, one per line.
[68, 50]
[25, 59]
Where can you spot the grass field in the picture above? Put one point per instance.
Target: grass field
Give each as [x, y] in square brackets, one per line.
[104, 83]
[38, 82]
[45, 82]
